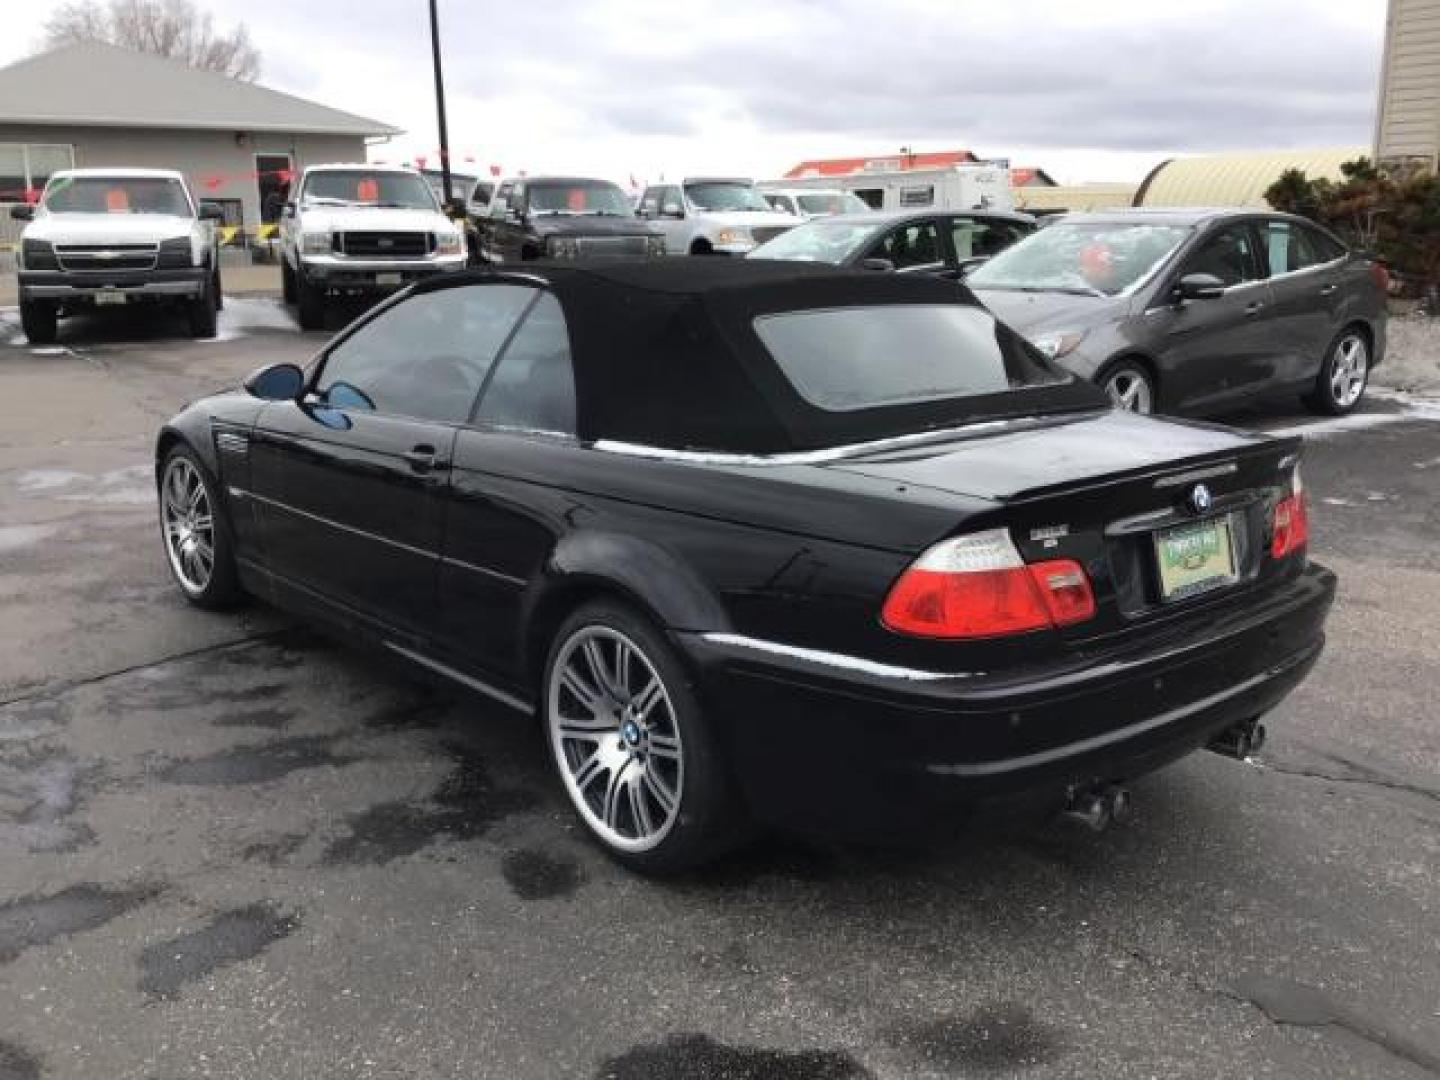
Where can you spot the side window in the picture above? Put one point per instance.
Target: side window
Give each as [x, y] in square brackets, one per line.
[979, 239]
[917, 196]
[427, 356]
[650, 201]
[670, 197]
[534, 382]
[1324, 246]
[1228, 255]
[480, 196]
[1288, 247]
[910, 245]
[502, 200]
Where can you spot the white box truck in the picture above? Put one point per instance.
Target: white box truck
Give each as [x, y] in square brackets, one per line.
[983, 186]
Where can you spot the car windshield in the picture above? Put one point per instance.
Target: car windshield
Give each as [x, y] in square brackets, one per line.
[851, 358]
[368, 187]
[824, 241]
[1096, 258]
[117, 195]
[726, 195]
[593, 197]
[834, 203]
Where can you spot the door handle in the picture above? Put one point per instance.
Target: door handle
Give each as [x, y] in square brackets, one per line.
[423, 459]
[1255, 308]
[1326, 290]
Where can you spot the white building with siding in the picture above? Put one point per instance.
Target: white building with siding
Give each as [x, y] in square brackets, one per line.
[92, 105]
[1408, 125]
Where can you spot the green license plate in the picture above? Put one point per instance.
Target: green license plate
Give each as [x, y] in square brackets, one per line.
[1195, 558]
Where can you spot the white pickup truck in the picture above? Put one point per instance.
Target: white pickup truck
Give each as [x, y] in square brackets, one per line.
[117, 236]
[713, 216]
[362, 230]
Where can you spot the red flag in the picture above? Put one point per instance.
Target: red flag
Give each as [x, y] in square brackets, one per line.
[420, 161]
[495, 170]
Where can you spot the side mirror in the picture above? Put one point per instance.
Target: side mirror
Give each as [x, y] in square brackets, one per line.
[1199, 287]
[278, 382]
[884, 266]
[209, 211]
[672, 210]
[455, 208]
[23, 213]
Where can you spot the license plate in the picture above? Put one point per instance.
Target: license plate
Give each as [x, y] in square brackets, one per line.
[389, 279]
[110, 296]
[1195, 558]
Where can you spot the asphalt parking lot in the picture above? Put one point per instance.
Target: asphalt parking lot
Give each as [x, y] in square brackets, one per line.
[231, 848]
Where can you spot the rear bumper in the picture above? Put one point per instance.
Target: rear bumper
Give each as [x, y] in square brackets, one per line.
[135, 284]
[876, 752]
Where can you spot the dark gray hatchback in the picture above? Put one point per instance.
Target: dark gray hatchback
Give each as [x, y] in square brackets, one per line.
[1192, 310]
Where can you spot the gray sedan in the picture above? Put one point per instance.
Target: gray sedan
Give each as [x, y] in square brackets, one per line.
[1196, 310]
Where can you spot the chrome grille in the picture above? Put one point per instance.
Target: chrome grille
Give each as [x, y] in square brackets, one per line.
[769, 232]
[613, 246]
[92, 257]
[385, 245]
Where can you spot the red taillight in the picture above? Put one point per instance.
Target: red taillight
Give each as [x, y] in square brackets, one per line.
[1290, 523]
[978, 586]
[1381, 273]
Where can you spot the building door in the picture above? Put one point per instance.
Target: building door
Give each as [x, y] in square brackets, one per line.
[273, 173]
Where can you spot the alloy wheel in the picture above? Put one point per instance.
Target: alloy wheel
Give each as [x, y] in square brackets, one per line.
[615, 736]
[189, 524]
[1130, 390]
[1349, 371]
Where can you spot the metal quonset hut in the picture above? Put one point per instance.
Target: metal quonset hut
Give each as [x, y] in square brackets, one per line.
[1236, 179]
[93, 105]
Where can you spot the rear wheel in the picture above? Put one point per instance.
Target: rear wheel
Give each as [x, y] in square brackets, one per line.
[635, 752]
[203, 322]
[40, 319]
[287, 282]
[218, 290]
[198, 543]
[311, 305]
[1343, 376]
[1129, 386]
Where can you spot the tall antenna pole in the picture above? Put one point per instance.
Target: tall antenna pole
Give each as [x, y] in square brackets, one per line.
[440, 105]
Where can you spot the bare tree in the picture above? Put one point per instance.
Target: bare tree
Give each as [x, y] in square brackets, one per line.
[173, 28]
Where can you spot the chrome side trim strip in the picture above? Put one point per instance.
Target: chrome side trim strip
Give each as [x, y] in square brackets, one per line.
[483, 571]
[831, 659]
[1197, 474]
[463, 679]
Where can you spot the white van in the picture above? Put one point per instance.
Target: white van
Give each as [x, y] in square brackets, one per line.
[811, 203]
[955, 187]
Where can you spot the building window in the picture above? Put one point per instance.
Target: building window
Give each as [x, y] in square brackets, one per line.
[917, 196]
[24, 168]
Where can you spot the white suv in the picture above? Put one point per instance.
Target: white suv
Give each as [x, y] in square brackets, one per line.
[116, 236]
[713, 216]
[362, 230]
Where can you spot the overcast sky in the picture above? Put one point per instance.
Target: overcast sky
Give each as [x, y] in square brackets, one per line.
[1092, 90]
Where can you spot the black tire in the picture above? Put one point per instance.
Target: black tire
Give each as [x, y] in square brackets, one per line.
[287, 282]
[1344, 374]
[709, 817]
[701, 247]
[310, 301]
[1130, 386]
[40, 319]
[218, 289]
[222, 589]
[202, 313]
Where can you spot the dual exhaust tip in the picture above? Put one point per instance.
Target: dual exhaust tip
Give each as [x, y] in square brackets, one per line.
[1097, 808]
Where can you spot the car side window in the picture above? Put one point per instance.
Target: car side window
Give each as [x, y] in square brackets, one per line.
[975, 238]
[427, 356]
[501, 200]
[1228, 255]
[650, 202]
[1289, 247]
[534, 383]
[1324, 246]
[909, 245]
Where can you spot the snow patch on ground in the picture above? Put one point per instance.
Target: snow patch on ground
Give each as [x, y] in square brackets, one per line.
[244, 315]
[1412, 354]
[15, 537]
[132, 485]
[1412, 407]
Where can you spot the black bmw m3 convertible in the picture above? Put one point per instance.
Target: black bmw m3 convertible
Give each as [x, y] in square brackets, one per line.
[761, 542]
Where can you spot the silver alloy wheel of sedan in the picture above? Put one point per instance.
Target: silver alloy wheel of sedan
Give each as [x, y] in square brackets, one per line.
[1129, 390]
[1350, 371]
[615, 737]
[189, 525]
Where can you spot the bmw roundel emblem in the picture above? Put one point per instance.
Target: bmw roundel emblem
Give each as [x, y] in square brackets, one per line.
[1200, 498]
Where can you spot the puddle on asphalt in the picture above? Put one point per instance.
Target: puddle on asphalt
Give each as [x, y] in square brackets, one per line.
[538, 875]
[17, 1063]
[256, 764]
[699, 1057]
[999, 1038]
[229, 938]
[38, 920]
[39, 791]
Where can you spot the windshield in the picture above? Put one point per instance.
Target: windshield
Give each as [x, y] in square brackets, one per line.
[593, 197]
[825, 241]
[838, 203]
[367, 187]
[1099, 258]
[117, 195]
[844, 359]
[726, 195]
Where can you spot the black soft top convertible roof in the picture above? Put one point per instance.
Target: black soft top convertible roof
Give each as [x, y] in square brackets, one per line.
[666, 355]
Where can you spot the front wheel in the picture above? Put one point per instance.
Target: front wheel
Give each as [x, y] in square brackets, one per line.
[198, 543]
[635, 752]
[204, 321]
[311, 305]
[1343, 376]
[1129, 387]
[40, 319]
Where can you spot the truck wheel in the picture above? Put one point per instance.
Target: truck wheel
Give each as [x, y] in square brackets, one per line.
[287, 282]
[312, 305]
[40, 321]
[203, 321]
[218, 290]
